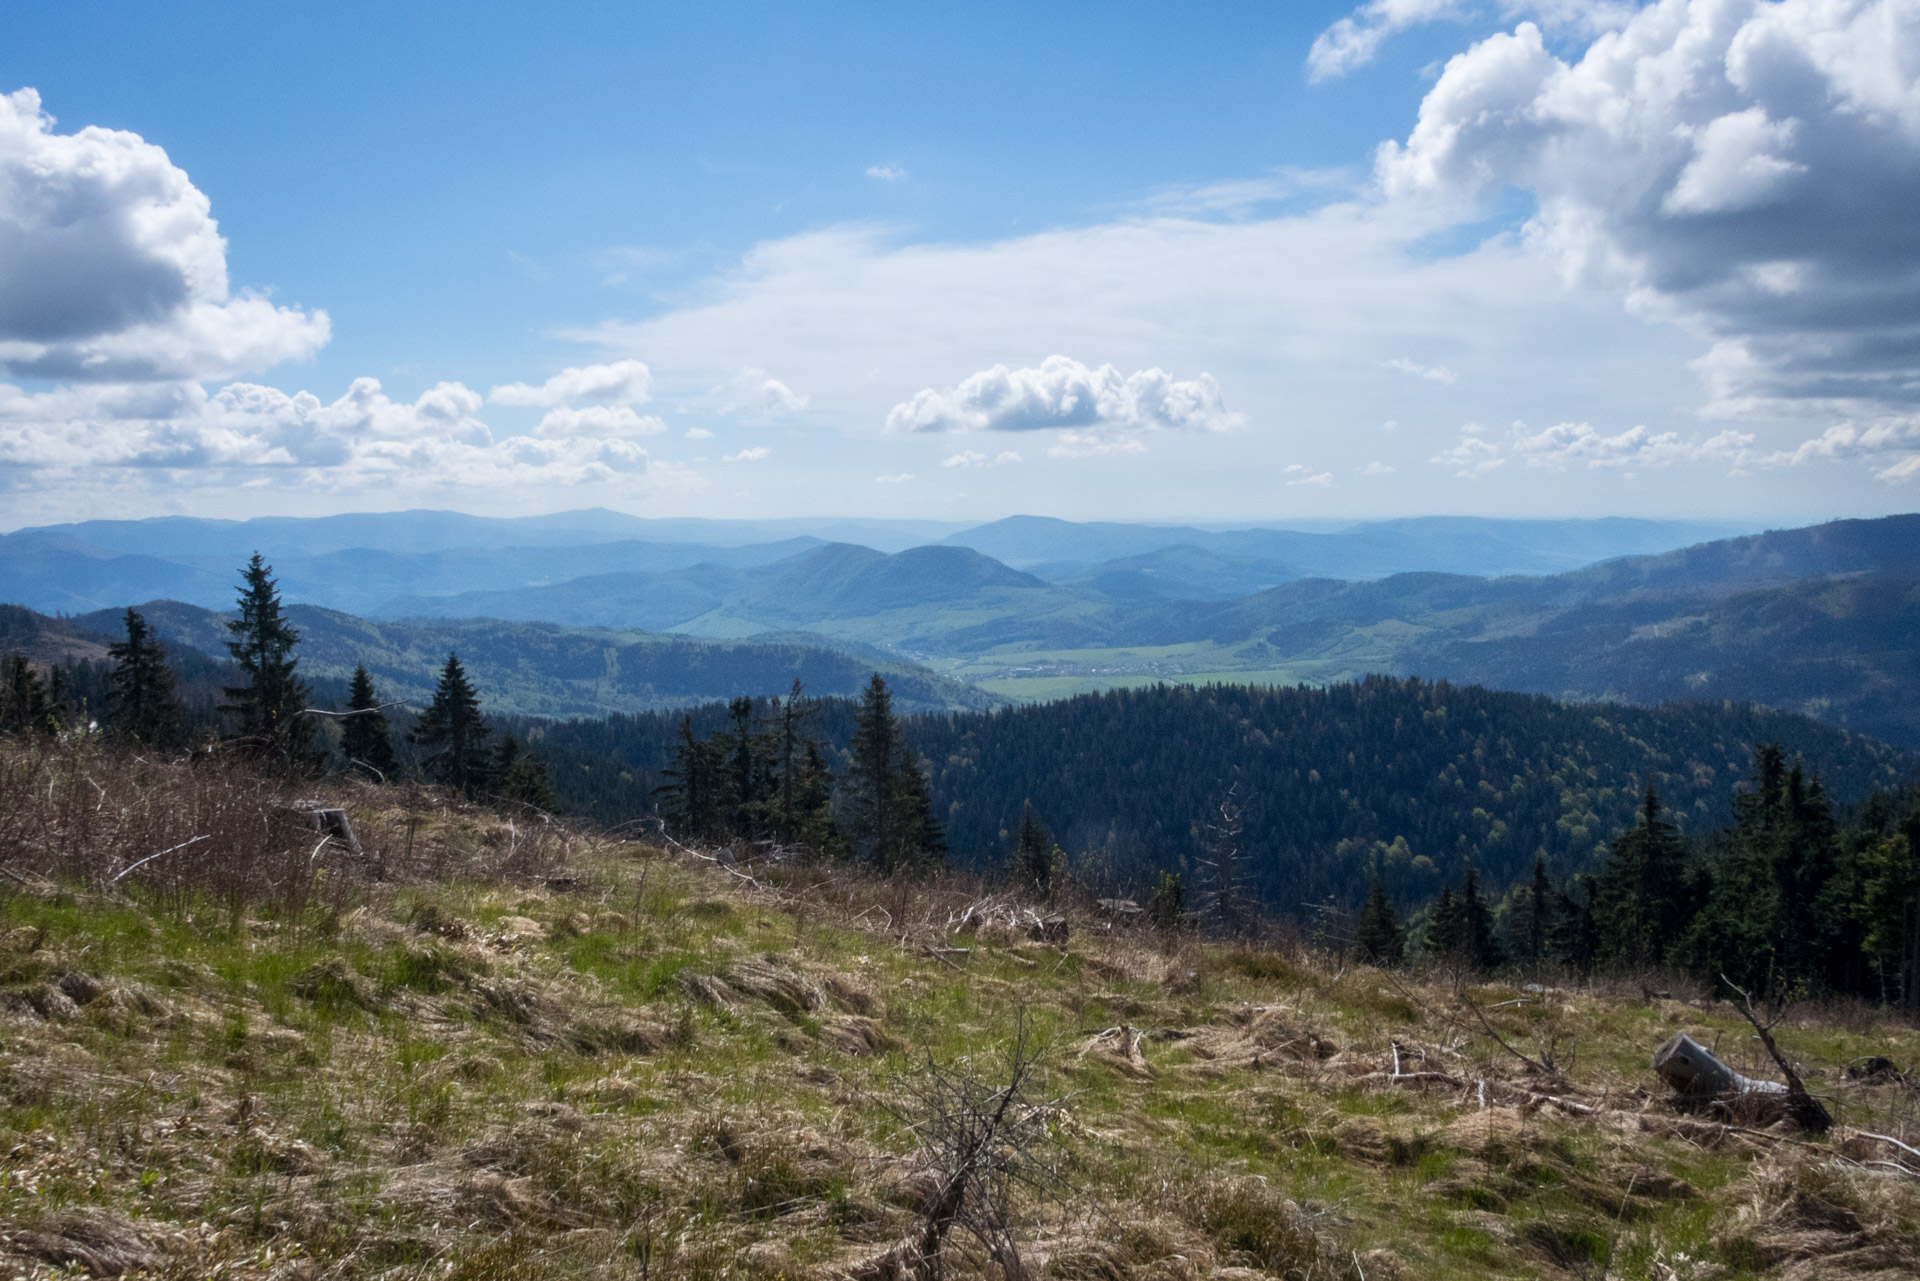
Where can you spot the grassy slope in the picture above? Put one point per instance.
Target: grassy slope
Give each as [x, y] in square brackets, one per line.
[534, 1087]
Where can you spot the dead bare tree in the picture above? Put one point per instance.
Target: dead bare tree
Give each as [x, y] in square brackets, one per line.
[1808, 1112]
[1226, 897]
[983, 1136]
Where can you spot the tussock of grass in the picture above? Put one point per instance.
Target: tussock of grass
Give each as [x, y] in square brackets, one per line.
[514, 1051]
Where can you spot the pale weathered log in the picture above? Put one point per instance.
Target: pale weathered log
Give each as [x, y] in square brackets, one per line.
[335, 824]
[1693, 1071]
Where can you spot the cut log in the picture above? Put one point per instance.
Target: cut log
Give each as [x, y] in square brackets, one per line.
[1695, 1073]
[335, 824]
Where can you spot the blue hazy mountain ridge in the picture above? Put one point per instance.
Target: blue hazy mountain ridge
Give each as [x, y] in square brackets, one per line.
[538, 669]
[1061, 550]
[57, 572]
[362, 561]
[840, 581]
[439, 531]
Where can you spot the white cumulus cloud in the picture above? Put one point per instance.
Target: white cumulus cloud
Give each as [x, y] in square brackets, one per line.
[1354, 40]
[752, 455]
[897, 478]
[112, 267]
[1891, 445]
[1063, 393]
[624, 382]
[251, 434]
[597, 420]
[1749, 168]
[756, 395]
[1581, 445]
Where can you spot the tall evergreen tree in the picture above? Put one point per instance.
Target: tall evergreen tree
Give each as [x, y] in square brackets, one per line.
[814, 825]
[1640, 905]
[1571, 936]
[366, 739]
[1890, 911]
[890, 817]
[270, 707]
[1167, 908]
[455, 734]
[747, 769]
[1379, 937]
[24, 704]
[1540, 918]
[1462, 927]
[1033, 856]
[142, 703]
[1765, 923]
[694, 802]
[520, 778]
[872, 814]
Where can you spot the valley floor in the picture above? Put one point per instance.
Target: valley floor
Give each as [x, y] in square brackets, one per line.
[532, 1051]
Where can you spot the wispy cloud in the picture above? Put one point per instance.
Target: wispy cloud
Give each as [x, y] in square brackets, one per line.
[1432, 373]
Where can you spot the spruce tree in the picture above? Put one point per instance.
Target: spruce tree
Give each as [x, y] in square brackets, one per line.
[873, 819]
[520, 777]
[142, 704]
[747, 773]
[270, 707]
[1462, 927]
[1571, 936]
[1540, 905]
[694, 803]
[1379, 937]
[1033, 857]
[455, 733]
[1640, 903]
[1890, 910]
[1167, 908]
[890, 816]
[925, 838]
[24, 704]
[813, 823]
[366, 739]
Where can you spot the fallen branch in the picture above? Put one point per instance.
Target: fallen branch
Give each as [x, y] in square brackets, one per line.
[1887, 1138]
[1807, 1111]
[149, 858]
[1544, 1069]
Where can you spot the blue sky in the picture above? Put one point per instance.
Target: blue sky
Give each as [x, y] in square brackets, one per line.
[1092, 260]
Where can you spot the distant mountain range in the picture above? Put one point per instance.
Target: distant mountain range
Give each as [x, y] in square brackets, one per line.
[448, 564]
[1821, 620]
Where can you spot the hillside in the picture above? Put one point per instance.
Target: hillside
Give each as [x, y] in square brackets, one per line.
[543, 670]
[507, 1052]
[840, 587]
[1408, 777]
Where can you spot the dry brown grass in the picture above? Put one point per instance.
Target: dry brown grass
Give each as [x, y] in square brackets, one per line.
[510, 1050]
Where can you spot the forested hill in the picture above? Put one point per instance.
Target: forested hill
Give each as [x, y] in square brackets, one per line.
[1413, 776]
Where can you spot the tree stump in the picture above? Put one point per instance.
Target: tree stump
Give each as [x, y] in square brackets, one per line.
[1698, 1077]
[335, 824]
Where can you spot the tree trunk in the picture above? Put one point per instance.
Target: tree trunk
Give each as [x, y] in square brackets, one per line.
[1694, 1073]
